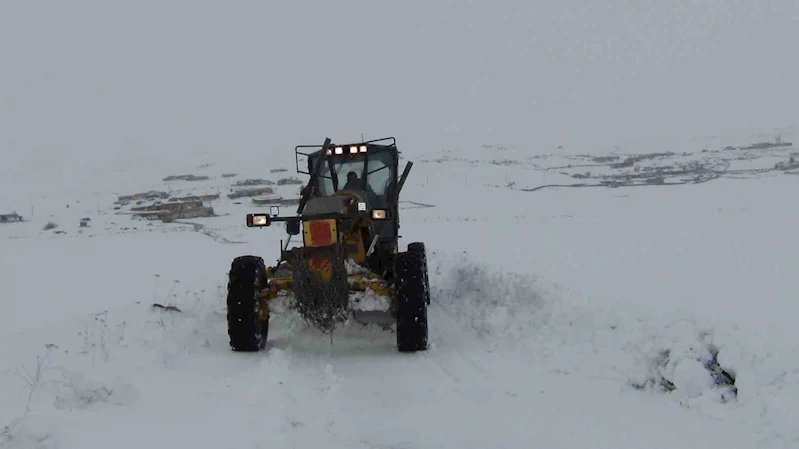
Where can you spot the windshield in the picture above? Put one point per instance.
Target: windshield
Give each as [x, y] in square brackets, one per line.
[379, 176]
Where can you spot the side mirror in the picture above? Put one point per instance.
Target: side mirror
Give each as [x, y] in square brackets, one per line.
[293, 227]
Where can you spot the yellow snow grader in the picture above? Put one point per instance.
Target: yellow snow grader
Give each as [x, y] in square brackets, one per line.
[349, 264]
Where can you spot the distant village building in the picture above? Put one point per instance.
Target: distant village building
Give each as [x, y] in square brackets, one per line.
[10, 218]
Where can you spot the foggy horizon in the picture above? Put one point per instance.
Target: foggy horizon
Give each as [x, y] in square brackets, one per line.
[91, 78]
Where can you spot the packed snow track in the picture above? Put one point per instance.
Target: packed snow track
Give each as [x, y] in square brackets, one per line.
[562, 318]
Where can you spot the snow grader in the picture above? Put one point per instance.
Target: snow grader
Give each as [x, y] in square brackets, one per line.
[349, 263]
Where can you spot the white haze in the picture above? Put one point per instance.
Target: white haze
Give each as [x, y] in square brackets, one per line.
[90, 78]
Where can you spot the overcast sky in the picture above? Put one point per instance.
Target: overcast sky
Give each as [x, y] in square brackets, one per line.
[91, 77]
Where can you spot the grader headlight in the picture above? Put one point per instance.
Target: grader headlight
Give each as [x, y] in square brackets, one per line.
[258, 220]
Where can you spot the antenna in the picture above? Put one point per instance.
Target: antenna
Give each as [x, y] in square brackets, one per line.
[362, 139]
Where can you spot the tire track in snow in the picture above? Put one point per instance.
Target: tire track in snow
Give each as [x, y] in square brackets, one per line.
[447, 350]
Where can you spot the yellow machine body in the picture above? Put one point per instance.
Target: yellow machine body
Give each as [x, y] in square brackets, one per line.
[320, 234]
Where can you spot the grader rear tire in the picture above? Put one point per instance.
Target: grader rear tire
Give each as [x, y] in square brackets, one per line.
[246, 330]
[410, 269]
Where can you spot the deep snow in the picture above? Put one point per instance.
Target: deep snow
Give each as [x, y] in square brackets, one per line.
[549, 308]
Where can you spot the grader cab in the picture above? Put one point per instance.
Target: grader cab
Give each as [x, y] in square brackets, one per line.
[349, 264]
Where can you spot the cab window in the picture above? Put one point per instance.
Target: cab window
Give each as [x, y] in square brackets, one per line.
[380, 174]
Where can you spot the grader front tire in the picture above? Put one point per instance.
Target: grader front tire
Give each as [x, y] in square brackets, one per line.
[418, 248]
[411, 284]
[246, 330]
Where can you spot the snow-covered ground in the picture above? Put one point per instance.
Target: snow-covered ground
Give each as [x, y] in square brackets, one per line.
[557, 314]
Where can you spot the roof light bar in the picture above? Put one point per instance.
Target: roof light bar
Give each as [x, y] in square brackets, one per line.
[354, 149]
